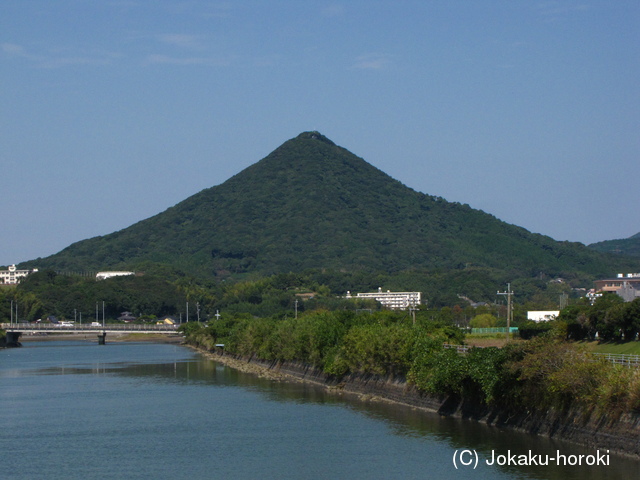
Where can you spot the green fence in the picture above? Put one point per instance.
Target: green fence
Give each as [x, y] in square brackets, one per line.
[494, 330]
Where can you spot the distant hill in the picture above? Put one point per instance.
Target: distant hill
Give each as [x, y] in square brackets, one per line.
[311, 204]
[626, 246]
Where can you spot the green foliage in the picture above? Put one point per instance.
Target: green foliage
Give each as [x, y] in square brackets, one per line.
[610, 317]
[378, 348]
[553, 373]
[47, 293]
[479, 376]
[486, 370]
[576, 319]
[252, 337]
[484, 320]
[530, 329]
[190, 328]
[338, 342]
[439, 371]
[626, 246]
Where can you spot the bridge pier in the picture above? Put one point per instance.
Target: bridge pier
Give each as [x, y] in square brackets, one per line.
[12, 339]
[102, 338]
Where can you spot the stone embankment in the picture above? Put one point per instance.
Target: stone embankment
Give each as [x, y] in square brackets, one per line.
[620, 434]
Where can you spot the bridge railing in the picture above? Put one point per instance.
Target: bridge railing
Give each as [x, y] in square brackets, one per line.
[31, 327]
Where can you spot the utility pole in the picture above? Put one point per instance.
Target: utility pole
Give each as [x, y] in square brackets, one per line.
[296, 305]
[564, 300]
[412, 312]
[508, 293]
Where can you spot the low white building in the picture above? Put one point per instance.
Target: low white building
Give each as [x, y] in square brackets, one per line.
[12, 275]
[542, 315]
[105, 275]
[392, 300]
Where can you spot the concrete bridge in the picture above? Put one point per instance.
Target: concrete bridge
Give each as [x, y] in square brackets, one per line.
[15, 330]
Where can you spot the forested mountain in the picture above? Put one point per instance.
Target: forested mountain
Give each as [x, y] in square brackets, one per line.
[625, 246]
[311, 204]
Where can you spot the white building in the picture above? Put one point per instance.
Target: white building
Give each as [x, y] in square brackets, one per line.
[392, 300]
[105, 275]
[12, 275]
[542, 315]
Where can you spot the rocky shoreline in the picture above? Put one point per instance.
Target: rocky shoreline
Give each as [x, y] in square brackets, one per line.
[619, 434]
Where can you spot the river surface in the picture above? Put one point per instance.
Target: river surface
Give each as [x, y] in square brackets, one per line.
[76, 410]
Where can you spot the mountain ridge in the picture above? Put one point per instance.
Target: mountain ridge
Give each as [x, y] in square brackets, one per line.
[623, 246]
[311, 204]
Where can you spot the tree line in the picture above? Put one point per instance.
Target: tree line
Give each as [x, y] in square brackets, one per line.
[162, 290]
[544, 372]
[610, 318]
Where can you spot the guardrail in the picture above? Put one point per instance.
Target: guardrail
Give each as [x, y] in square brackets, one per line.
[625, 360]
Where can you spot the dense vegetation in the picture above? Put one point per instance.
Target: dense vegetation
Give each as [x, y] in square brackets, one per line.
[626, 246]
[70, 297]
[311, 204]
[608, 319]
[164, 291]
[545, 372]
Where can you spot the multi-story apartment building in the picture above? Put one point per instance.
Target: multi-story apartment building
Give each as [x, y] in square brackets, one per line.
[12, 275]
[392, 300]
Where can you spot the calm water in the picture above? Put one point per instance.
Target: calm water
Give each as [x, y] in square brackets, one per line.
[77, 410]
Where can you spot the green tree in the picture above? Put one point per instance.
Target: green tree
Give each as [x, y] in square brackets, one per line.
[630, 319]
[607, 330]
[484, 320]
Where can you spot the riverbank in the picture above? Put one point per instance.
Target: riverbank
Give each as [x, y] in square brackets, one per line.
[619, 434]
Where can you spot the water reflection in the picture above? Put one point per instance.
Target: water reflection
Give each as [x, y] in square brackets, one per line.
[401, 420]
[237, 424]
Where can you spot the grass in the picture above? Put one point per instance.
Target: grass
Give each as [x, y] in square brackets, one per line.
[631, 348]
[147, 337]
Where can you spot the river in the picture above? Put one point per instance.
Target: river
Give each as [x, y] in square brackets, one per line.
[75, 410]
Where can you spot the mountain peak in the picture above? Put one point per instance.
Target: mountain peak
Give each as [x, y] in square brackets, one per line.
[311, 204]
[314, 135]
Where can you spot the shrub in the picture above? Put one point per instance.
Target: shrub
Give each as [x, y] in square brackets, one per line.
[484, 320]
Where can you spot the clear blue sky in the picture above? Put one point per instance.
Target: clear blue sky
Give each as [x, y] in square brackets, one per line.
[113, 111]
